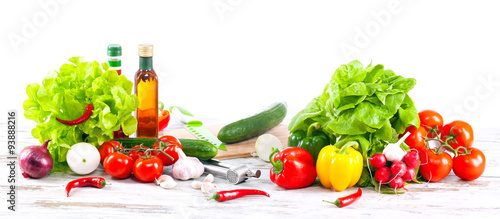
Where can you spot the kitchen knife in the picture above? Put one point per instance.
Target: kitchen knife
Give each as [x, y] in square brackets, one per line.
[195, 127]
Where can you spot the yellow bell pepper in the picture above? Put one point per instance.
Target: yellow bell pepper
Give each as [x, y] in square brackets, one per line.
[339, 168]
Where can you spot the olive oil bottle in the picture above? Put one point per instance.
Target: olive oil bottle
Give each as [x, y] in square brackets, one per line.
[146, 89]
[115, 57]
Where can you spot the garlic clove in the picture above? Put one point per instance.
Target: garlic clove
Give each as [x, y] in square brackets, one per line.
[163, 178]
[168, 184]
[196, 184]
[209, 178]
[206, 187]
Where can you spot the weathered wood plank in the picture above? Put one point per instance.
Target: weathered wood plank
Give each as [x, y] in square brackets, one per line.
[450, 197]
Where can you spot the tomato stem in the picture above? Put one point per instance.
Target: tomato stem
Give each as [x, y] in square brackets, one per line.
[452, 136]
[433, 131]
[466, 152]
[445, 143]
[119, 149]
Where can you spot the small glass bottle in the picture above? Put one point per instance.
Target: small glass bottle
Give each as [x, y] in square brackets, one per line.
[115, 57]
[146, 89]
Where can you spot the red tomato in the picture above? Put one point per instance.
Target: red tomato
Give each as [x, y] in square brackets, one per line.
[149, 169]
[134, 154]
[435, 167]
[118, 165]
[170, 147]
[109, 147]
[463, 130]
[430, 118]
[416, 139]
[469, 166]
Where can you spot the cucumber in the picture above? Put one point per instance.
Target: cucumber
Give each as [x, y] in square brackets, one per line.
[131, 142]
[203, 150]
[253, 125]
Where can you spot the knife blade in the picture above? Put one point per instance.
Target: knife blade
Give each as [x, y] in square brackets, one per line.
[196, 128]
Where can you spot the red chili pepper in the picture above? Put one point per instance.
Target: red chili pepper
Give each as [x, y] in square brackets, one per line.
[80, 120]
[97, 182]
[232, 194]
[293, 168]
[345, 201]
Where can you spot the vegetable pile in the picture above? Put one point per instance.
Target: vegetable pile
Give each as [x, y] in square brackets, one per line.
[369, 105]
[66, 94]
[445, 147]
[350, 135]
[146, 157]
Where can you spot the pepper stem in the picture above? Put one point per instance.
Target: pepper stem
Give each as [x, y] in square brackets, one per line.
[313, 127]
[336, 202]
[277, 165]
[215, 197]
[347, 145]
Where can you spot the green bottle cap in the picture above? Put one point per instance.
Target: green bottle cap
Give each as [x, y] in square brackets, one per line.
[114, 50]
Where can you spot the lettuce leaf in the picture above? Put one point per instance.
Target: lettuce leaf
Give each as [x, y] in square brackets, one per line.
[65, 94]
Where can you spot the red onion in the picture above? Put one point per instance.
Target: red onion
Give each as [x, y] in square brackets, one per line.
[119, 134]
[36, 161]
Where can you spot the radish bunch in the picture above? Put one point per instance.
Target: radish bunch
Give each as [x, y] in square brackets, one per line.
[395, 173]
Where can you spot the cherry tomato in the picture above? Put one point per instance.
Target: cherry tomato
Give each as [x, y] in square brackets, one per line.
[435, 167]
[118, 165]
[109, 147]
[149, 169]
[134, 154]
[416, 139]
[172, 144]
[469, 166]
[430, 118]
[463, 130]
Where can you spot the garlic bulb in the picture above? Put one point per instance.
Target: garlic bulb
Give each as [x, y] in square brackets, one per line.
[393, 152]
[187, 167]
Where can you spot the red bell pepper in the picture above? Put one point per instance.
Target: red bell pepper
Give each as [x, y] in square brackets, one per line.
[163, 119]
[293, 168]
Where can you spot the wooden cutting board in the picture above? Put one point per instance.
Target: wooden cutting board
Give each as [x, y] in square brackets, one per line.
[235, 150]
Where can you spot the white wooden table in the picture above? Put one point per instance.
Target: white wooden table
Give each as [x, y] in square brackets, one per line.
[129, 198]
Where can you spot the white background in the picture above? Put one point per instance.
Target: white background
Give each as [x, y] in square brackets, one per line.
[227, 59]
